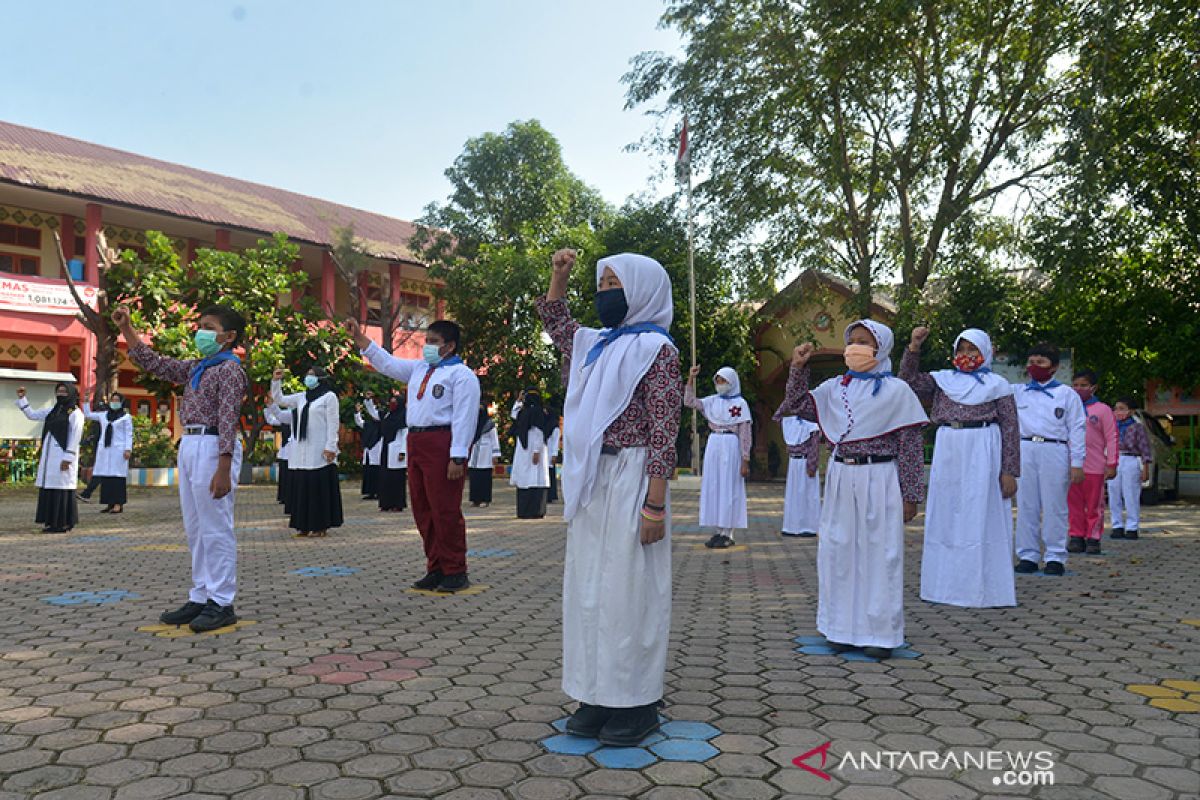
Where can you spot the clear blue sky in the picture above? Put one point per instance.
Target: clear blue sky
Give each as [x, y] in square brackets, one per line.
[363, 102]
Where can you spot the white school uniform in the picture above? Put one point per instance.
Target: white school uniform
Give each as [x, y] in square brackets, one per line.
[50, 474]
[802, 494]
[110, 460]
[1125, 493]
[322, 433]
[208, 521]
[722, 487]
[372, 456]
[485, 451]
[277, 417]
[396, 456]
[526, 474]
[1046, 468]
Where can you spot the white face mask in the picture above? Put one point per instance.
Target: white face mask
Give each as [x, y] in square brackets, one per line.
[724, 389]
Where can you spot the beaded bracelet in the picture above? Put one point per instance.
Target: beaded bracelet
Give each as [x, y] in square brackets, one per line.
[654, 516]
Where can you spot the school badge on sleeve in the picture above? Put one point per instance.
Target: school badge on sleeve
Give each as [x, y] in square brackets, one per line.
[438, 391]
[1060, 412]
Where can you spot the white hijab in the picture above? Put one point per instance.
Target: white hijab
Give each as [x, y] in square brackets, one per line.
[851, 411]
[730, 409]
[597, 394]
[973, 389]
[796, 430]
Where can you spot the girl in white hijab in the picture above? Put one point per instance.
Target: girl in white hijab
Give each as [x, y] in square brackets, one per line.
[621, 419]
[967, 558]
[873, 422]
[726, 455]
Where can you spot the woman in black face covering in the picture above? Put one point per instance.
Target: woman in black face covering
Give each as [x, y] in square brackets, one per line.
[316, 495]
[393, 475]
[531, 462]
[58, 467]
[113, 451]
[366, 417]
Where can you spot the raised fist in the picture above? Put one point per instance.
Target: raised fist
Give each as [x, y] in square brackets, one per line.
[919, 335]
[694, 371]
[802, 353]
[564, 261]
[20, 391]
[355, 330]
[121, 317]
[278, 374]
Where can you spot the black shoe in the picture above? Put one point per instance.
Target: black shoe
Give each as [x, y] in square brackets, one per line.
[1025, 567]
[1093, 547]
[429, 582]
[878, 652]
[714, 541]
[106, 510]
[722, 543]
[629, 726]
[1131, 533]
[807, 535]
[213, 617]
[1117, 533]
[454, 583]
[588, 720]
[83, 498]
[1054, 568]
[1076, 544]
[840, 647]
[182, 615]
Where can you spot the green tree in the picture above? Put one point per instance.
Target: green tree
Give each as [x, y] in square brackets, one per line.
[1118, 245]
[852, 138]
[513, 203]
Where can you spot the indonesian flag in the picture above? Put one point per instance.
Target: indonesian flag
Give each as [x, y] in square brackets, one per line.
[684, 156]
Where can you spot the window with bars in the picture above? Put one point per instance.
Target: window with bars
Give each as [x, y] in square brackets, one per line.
[21, 236]
[18, 264]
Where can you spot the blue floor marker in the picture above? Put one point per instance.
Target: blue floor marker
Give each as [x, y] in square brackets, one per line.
[819, 646]
[674, 741]
[491, 552]
[102, 597]
[324, 572]
[82, 539]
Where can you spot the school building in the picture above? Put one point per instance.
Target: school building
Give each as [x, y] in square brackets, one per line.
[54, 184]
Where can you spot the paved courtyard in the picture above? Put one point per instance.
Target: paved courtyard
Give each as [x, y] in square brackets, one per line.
[340, 685]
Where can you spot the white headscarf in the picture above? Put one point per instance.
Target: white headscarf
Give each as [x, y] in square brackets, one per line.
[796, 430]
[597, 394]
[727, 409]
[850, 409]
[973, 388]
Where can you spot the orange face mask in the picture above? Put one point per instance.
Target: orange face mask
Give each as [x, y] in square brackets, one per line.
[860, 357]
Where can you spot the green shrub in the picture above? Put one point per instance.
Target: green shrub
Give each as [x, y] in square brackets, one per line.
[153, 445]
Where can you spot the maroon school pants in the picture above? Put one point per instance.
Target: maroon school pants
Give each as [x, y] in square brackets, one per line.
[437, 502]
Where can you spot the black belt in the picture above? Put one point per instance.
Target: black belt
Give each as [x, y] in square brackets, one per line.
[983, 423]
[200, 430]
[719, 433]
[609, 450]
[1043, 439]
[855, 461]
[1132, 454]
[428, 428]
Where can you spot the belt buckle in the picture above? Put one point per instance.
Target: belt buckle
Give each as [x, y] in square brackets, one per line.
[851, 460]
[1039, 439]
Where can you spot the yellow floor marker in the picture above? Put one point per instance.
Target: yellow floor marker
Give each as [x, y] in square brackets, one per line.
[1178, 705]
[181, 631]
[737, 548]
[1183, 686]
[1152, 690]
[1193, 622]
[473, 589]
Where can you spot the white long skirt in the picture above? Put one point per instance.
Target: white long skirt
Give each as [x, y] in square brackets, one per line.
[860, 556]
[967, 559]
[801, 499]
[722, 488]
[616, 592]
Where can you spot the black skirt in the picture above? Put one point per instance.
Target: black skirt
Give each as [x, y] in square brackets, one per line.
[57, 509]
[112, 491]
[370, 480]
[552, 496]
[281, 488]
[316, 498]
[531, 503]
[393, 489]
[480, 485]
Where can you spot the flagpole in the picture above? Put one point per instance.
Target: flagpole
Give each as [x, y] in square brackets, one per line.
[687, 165]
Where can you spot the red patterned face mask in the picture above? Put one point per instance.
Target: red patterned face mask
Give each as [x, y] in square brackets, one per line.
[965, 362]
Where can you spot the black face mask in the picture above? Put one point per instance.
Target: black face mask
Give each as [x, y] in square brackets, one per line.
[611, 307]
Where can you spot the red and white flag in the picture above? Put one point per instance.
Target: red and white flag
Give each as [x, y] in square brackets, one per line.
[683, 157]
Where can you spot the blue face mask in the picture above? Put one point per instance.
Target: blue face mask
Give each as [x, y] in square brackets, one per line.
[611, 307]
[115, 405]
[206, 343]
[311, 381]
[432, 354]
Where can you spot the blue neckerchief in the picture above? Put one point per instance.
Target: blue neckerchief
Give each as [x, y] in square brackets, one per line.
[1034, 386]
[204, 363]
[976, 374]
[869, 376]
[448, 362]
[610, 335]
[1090, 400]
[1122, 424]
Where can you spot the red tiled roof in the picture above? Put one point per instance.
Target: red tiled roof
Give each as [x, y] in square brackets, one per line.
[43, 160]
